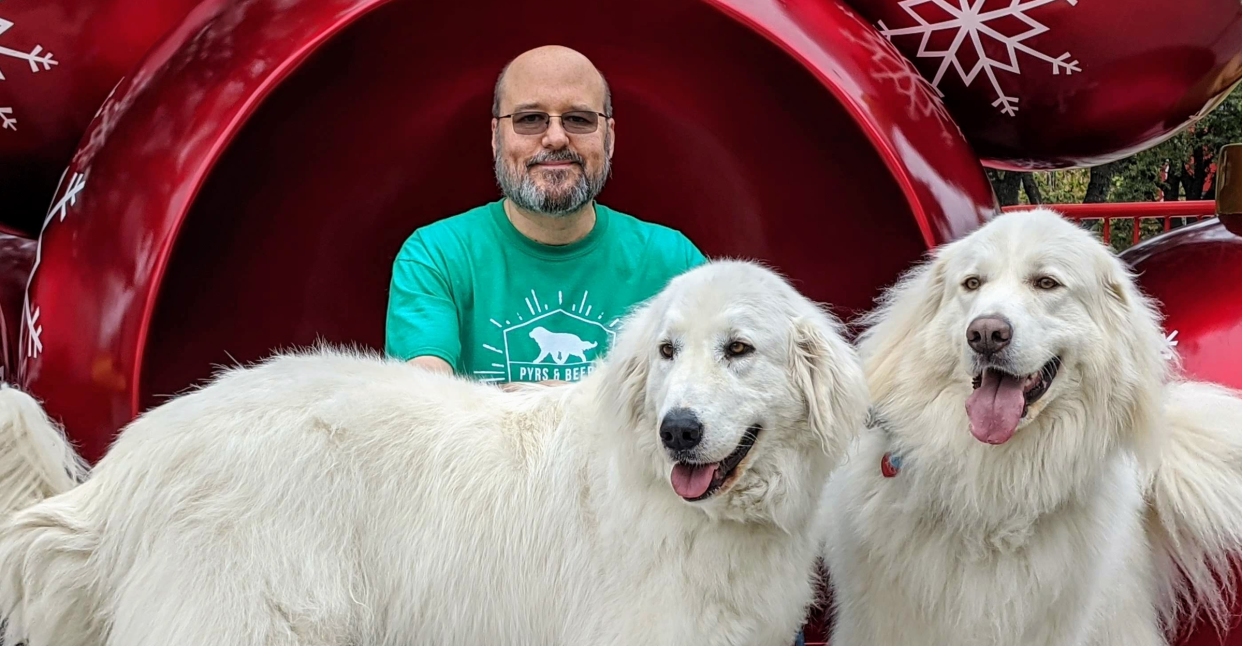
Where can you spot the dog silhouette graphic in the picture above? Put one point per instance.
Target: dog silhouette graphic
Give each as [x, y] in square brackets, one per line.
[559, 345]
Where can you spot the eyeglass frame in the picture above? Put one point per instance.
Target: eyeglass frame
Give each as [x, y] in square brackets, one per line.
[550, 117]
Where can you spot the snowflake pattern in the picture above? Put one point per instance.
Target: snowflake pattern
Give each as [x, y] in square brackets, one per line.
[922, 98]
[968, 21]
[1171, 342]
[30, 313]
[36, 58]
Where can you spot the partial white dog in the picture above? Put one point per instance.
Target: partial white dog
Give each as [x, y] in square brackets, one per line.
[1034, 473]
[672, 497]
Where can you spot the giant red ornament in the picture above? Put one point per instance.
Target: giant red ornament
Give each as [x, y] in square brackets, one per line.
[58, 61]
[16, 257]
[250, 189]
[1196, 274]
[1063, 83]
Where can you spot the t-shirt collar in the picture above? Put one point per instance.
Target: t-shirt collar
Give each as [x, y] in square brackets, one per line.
[547, 251]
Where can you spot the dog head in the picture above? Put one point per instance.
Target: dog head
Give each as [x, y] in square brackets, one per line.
[736, 388]
[1028, 318]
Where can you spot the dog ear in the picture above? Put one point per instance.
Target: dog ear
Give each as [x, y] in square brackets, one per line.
[901, 312]
[1126, 307]
[1113, 278]
[1143, 356]
[829, 374]
[628, 363]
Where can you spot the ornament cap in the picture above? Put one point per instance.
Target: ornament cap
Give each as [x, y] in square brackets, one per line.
[1229, 187]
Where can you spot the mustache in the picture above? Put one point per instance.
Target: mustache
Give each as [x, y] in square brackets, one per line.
[562, 155]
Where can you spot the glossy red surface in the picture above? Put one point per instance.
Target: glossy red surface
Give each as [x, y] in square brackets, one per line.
[1196, 274]
[252, 190]
[16, 257]
[1133, 72]
[86, 46]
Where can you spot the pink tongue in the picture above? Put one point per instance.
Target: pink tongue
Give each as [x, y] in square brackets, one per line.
[995, 408]
[692, 481]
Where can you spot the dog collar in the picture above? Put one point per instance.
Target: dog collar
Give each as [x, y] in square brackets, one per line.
[890, 465]
[890, 462]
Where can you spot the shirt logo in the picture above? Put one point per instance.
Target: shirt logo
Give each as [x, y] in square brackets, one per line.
[548, 342]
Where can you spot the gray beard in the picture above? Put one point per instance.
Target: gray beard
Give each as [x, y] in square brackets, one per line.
[520, 188]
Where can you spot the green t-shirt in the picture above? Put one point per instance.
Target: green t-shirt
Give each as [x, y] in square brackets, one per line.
[498, 306]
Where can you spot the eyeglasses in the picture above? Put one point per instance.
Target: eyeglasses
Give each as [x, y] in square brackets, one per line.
[578, 122]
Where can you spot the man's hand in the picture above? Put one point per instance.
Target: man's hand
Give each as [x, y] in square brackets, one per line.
[435, 364]
[514, 385]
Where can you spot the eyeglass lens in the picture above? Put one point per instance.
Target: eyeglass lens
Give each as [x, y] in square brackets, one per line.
[576, 122]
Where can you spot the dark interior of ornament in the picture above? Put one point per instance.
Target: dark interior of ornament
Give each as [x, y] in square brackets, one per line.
[719, 133]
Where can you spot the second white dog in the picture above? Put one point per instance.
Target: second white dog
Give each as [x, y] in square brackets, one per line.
[1033, 476]
[673, 497]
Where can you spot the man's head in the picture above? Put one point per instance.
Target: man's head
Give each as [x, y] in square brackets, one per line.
[557, 169]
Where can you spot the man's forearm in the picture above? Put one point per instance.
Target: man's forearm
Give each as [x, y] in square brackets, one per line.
[435, 364]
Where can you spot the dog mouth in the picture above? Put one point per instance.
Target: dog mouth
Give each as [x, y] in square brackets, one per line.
[697, 481]
[1001, 400]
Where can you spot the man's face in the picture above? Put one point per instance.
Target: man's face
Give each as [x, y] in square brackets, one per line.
[555, 172]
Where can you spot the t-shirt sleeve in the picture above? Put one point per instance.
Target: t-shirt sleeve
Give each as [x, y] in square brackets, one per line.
[694, 257]
[422, 316]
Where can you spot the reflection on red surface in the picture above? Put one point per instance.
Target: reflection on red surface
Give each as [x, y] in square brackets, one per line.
[84, 48]
[16, 257]
[1087, 82]
[252, 190]
[1196, 274]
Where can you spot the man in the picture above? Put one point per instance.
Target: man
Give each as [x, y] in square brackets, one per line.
[532, 287]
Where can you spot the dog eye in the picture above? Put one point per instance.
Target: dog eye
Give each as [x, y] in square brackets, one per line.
[739, 348]
[667, 350]
[972, 283]
[1047, 282]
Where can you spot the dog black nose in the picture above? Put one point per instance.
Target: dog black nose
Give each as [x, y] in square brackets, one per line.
[681, 429]
[989, 334]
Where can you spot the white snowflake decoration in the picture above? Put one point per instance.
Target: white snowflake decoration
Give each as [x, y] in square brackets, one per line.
[30, 314]
[1171, 342]
[36, 58]
[922, 97]
[970, 22]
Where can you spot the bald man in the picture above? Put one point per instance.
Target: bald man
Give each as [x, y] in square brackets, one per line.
[531, 287]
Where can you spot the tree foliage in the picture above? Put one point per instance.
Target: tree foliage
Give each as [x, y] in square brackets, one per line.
[1181, 167]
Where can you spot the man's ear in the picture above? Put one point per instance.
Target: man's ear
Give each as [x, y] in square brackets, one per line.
[612, 137]
[495, 137]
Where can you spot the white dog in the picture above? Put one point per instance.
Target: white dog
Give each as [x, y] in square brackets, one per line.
[672, 497]
[1034, 473]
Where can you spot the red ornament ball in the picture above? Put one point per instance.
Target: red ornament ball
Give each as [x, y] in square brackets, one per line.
[1195, 273]
[1042, 84]
[59, 60]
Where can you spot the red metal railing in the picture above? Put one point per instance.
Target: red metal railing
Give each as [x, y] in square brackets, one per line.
[1130, 211]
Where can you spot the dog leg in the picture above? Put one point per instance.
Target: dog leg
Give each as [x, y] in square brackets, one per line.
[1118, 631]
[191, 618]
[854, 627]
[240, 593]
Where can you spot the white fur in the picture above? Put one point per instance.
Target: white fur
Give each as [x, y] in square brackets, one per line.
[1066, 534]
[36, 461]
[329, 498]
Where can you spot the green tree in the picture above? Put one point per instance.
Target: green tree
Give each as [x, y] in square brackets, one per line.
[1181, 167]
